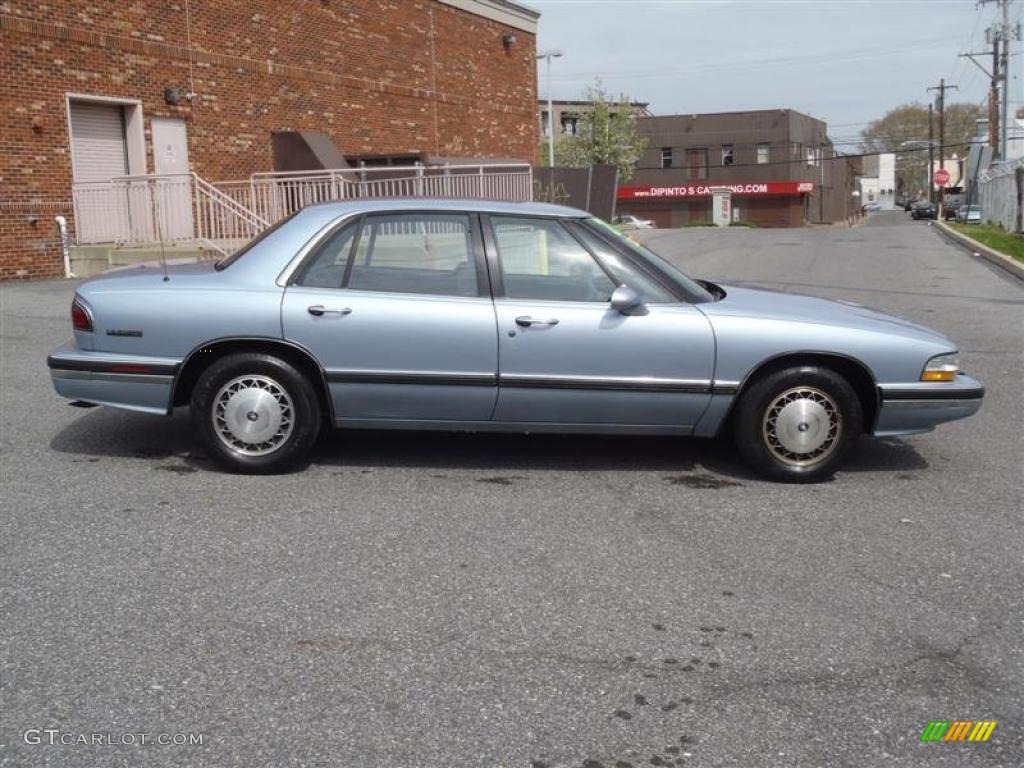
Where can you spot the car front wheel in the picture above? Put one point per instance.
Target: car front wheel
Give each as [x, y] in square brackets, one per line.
[797, 424]
[256, 413]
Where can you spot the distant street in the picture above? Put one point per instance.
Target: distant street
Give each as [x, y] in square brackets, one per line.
[414, 600]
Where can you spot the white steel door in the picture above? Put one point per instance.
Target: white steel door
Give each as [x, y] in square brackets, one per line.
[173, 201]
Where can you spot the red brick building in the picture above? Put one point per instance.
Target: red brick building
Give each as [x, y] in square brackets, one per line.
[84, 86]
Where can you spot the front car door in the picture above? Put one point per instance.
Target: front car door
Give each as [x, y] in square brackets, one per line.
[396, 308]
[567, 358]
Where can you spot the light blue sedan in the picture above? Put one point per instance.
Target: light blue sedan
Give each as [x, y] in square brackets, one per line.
[471, 315]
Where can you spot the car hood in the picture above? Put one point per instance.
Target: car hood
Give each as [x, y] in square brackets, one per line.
[775, 305]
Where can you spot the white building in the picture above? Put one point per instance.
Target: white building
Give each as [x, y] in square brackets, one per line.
[1014, 136]
[878, 182]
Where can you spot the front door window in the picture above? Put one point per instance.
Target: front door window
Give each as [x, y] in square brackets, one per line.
[541, 260]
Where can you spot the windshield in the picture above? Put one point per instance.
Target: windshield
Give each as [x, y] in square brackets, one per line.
[693, 290]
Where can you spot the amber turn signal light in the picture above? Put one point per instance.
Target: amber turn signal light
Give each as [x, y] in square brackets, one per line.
[941, 368]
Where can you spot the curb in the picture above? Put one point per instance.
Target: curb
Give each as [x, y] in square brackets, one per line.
[979, 249]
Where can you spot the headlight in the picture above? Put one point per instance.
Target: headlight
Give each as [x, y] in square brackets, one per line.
[941, 368]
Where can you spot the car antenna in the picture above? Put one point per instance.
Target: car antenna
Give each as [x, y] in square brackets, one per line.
[150, 183]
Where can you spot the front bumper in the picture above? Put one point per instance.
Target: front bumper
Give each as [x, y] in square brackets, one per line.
[908, 409]
[131, 382]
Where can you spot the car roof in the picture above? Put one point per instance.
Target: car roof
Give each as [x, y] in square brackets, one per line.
[450, 204]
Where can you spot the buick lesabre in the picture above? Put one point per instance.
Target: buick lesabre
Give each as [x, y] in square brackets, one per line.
[471, 315]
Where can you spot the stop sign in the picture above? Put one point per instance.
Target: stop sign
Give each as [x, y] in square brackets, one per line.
[941, 177]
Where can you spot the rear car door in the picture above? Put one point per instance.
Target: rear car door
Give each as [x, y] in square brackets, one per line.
[566, 357]
[395, 306]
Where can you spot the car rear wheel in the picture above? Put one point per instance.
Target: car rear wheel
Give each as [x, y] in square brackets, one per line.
[256, 413]
[797, 424]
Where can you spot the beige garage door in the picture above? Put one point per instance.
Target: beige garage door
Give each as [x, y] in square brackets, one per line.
[99, 152]
[98, 147]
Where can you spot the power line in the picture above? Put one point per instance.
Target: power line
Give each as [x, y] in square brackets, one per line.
[798, 162]
[819, 59]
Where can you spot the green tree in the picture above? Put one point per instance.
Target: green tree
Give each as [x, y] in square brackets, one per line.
[605, 133]
[904, 130]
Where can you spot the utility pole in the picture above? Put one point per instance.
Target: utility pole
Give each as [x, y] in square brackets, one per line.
[1005, 37]
[993, 91]
[941, 99]
[931, 157]
[1000, 33]
[993, 99]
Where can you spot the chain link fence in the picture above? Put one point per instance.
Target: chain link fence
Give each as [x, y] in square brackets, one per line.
[1001, 194]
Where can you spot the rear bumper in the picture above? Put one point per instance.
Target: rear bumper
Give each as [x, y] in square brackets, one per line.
[907, 409]
[131, 382]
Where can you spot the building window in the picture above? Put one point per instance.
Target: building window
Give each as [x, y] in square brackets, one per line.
[697, 163]
[763, 153]
[727, 155]
[666, 157]
[569, 123]
[544, 124]
[814, 156]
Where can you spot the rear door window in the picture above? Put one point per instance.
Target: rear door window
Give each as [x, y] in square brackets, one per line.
[424, 253]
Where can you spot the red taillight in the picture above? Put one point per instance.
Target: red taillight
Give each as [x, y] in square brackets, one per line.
[79, 317]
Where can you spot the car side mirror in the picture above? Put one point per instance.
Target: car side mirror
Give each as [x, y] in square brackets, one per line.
[627, 301]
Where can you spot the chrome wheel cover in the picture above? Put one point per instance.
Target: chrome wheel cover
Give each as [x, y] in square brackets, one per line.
[802, 426]
[253, 415]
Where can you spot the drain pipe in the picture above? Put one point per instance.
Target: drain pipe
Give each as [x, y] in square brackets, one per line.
[62, 225]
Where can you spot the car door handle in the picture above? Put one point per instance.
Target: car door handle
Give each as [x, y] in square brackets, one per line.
[526, 320]
[319, 310]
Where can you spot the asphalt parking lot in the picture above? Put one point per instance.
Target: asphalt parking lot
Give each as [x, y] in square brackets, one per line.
[482, 600]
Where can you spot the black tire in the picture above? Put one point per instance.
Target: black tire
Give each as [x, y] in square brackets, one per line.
[261, 387]
[777, 410]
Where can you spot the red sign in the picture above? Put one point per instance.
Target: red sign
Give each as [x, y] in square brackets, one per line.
[941, 177]
[683, 191]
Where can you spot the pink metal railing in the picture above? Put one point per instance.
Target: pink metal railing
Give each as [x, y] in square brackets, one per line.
[176, 208]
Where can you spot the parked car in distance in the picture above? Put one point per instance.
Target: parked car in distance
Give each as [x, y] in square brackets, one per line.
[485, 316]
[969, 214]
[871, 207]
[627, 221]
[951, 202]
[923, 210]
[909, 205]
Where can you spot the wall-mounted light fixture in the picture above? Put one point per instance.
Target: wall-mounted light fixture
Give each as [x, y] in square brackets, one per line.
[174, 95]
[508, 40]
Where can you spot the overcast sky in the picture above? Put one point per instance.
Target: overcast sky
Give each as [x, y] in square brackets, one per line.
[844, 61]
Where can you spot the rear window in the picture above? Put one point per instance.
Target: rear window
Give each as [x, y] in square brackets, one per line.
[227, 261]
